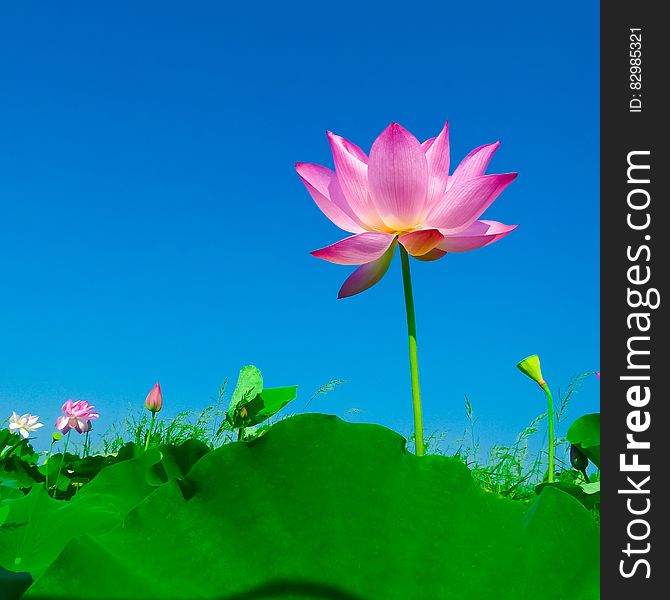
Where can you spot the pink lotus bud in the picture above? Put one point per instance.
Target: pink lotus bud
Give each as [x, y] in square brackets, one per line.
[154, 401]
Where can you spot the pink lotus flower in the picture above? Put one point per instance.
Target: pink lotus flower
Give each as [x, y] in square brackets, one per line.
[403, 193]
[598, 374]
[24, 424]
[77, 415]
[154, 400]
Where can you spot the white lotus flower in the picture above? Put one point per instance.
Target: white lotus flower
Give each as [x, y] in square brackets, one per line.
[24, 424]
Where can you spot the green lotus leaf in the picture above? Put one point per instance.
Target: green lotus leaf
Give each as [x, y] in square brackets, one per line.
[175, 461]
[249, 385]
[588, 496]
[38, 527]
[10, 489]
[591, 488]
[25, 473]
[320, 508]
[585, 434]
[251, 404]
[274, 399]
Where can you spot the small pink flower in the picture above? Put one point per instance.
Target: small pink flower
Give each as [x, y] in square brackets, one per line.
[77, 415]
[402, 193]
[154, 400]
[598, 374]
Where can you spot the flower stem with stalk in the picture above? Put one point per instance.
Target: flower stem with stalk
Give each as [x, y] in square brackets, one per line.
[151, 428]
[413, 355]
[530, 366]
[55, 437]
[60, 466]
[550, 420]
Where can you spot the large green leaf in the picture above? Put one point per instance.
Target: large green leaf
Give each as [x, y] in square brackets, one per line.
[587, 493]
[126, 483]
[585, 434]
[176, 461]
[320, 508]
[4, 513]
[10, 489]
[37, 528]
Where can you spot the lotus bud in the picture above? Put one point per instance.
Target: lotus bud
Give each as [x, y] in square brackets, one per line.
[154, 401]
[530, 366]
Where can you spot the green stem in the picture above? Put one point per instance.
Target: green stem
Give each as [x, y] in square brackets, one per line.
[86, 444]
[413, 355]
[151, 428]
[60, 466]
[240, 434]
[46, 476]
[550, 419]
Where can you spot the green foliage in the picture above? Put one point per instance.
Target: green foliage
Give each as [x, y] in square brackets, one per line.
[324, 389]
[18, 460]
[587, 493]
[186, 425]
[514, 470]
[322, 508]
[585, 434]
[509, 470]
[249, 385]
[201, 425]
[252, 404]
[584, 439]
[36, 527]
[313, 481]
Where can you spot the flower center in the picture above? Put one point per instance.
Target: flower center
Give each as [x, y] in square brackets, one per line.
[397, 231]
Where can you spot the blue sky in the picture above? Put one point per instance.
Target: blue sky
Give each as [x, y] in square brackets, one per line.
[152, 225]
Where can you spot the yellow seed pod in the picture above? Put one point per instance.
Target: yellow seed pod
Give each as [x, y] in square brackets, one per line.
[530, 366]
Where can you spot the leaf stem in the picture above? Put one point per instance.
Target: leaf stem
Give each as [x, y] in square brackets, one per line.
[413, 354]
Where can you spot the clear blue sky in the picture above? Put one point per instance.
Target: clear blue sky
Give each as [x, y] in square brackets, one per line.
[152, 225]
